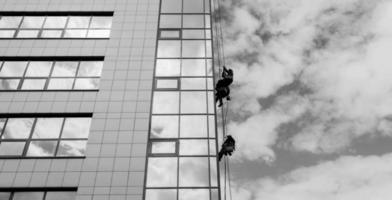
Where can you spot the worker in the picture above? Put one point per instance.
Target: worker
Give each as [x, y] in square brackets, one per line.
[227, 147]
[222, 86]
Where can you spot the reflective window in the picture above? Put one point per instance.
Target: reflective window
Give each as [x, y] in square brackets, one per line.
[171, 6]
[55, 26]
[167, 67]
[166, 102]
[161, 194]
[193, 171]
[193, 84]
[169, 49]
[193, 147]
[193, 194]
[50, 75]
[193, 102]
[193, 21]
[44, 137]
[166, 84]
[163, 147]
[162, 172]
[193, 67]
[193, 34]
[38, 194]
[170, 21]
[193, 48]
[170, 34]
[193, 6]
[193, 126]
[164, 126]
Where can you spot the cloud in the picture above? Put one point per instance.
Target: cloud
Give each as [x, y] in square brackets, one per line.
[347, 178]
[337, 50]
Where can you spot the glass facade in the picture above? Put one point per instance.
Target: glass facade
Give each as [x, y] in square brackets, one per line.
[58, 26]
[46, 136]
[181, 161]
[50, 74]
[37, 194]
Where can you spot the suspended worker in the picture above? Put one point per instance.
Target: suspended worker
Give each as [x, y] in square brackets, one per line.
[227, 147]
[222, 86]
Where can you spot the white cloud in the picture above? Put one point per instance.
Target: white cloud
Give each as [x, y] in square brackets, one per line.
[347, 178]
[337, 49]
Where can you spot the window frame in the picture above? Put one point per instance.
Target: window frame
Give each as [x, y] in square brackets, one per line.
[30, 138]
[50, 76]
[13, 190]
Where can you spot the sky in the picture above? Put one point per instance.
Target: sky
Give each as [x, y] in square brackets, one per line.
[311, 100]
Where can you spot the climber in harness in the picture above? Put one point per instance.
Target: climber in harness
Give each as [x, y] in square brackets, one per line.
[222, 87]
[227, 147]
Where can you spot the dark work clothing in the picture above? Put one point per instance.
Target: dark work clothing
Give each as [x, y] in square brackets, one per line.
[222, 86]
[227, 147]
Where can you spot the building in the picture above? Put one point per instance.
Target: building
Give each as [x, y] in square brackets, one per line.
[107, 99]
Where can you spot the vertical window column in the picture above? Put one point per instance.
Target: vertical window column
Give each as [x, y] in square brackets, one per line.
[182, 160]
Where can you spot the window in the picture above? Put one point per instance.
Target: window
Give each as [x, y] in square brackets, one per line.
[50, 73]
[38, 194]
[55, 25]
[43, 135]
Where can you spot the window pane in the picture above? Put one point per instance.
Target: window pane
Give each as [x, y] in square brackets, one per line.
[210, 71]
[5, 195]
[28, 196]
[161, 194]
[2, 122]
[65, 69]
[60, 84]
[193, 83]
[55, 22]
[171, 6]
[170, 21]
[212, 147]
[213, 172]
[164, 126]
[78, 22]
[51, 33]
[37, 69]
[163, 147]
[193, 48]
[47, 128]
[206, 6]
[170, 34]
[90, 68]
[10, 22]
[193, 172]
[193, 34]
[207, 21]
[60, 195]
[72, 148]
[166, 102]
[75, 33]
[211, 126]
[193, 21]
[33, 84]
[32, 22]
[193, 194]
[193, 126]
[77, 127]
[101, 22]
[193, 102]
[11, 148]
[193, 6]
[208, 34]
[42, 148]
[193, 67]
[98, 33]
[210, 84]
[169, 48]
[193, 147]
[211, 102]
[208, 49]
[87, 83]
[9, 84]
[27, 34]
[166, 83]
[162, 172]
[11, 68]
[18, 128]
[7, 33]
[167, 67]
